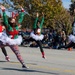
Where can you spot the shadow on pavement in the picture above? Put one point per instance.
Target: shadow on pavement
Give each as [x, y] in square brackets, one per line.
[29, 70]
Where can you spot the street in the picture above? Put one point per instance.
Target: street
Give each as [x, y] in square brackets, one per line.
[57, 62]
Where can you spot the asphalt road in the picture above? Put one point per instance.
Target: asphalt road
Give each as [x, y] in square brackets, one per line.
[57, 62]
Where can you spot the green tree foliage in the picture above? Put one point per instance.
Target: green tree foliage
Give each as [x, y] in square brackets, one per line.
[55, 14]
[64, 22]
[72, 7]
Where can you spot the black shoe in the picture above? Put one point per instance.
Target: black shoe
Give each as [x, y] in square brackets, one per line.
[59, 47]
[24, 67]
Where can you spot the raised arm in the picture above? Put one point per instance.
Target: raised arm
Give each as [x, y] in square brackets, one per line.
[35, 22]
[41, 24]
[21, 15]
[5, 20]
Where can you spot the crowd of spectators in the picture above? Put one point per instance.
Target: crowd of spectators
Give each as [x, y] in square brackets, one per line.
[53, 39]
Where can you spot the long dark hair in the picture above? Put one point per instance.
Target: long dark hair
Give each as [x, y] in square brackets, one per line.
[12, 24]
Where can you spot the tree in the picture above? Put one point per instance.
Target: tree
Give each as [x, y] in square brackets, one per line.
[72, 8]
[55, 14]
[64, 22]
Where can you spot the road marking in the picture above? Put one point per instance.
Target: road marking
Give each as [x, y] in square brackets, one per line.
[48, 68]
[55, 69]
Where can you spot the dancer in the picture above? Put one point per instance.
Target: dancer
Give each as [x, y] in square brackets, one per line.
[12, 30]
[71, 38]
[2, 28]
[36, 35]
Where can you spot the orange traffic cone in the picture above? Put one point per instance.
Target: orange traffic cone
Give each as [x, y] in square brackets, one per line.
[69, 49]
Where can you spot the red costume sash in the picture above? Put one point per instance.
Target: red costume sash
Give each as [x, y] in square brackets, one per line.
[0, 28]
[13, 33]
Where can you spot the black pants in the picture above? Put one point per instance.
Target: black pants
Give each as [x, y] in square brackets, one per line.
[71, 44]
[4, 51]
[39, 43]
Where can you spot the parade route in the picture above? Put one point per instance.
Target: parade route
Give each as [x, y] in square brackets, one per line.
[57, 62]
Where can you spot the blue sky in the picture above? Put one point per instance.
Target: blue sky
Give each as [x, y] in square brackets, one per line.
[66, 3]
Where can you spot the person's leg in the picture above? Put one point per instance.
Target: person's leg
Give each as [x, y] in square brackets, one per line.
[41, 49]
[15, 49]
[30, 39]
[71, 44]
[5, 53]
